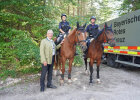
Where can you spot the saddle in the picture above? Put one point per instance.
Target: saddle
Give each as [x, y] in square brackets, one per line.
[60, 37]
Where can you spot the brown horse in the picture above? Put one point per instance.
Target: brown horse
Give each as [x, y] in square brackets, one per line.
[95, 49]
[68, 48]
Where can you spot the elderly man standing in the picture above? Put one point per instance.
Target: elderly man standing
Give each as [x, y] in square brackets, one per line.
[47, 53]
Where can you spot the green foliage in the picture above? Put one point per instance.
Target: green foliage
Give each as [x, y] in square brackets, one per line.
[78, 60]
[17, 46]
[129, 5]
[17, 49]
[5, 73]
[23, 24]
[81, 20]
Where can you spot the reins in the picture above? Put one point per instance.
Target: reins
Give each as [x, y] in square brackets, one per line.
[107, 39]
[77, 39]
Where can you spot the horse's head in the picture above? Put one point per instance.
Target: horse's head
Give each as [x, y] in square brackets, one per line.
[109, 35]
[81, 36]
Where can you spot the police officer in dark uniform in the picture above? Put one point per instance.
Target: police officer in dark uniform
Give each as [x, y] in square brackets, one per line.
[64, 29]
[92, 29]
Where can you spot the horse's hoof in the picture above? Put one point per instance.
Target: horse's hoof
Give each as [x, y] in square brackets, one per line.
[55, 72]
[98, 81]
[61, 82]
[91, 83]
[60, 72]
[69, 81]
[86, 72]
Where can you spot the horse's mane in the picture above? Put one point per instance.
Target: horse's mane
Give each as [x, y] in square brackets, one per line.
[100, 32]
[97, 36]
[71, 33]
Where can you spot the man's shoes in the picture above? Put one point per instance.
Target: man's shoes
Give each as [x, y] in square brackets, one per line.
[51, 86]
[41, 89]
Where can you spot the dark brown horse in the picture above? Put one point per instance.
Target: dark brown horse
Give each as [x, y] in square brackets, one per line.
[95, 49]
[68, 49]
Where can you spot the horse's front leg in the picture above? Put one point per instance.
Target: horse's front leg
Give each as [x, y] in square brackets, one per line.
[98, 75]
[69, 71]
[63, 60]
[91, 70]
[86, 71]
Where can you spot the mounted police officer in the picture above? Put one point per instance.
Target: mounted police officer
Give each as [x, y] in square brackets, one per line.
[64, 29]
[92, 30]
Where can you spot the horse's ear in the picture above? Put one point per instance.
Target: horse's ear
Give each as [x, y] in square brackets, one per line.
[84, 25]
[105, 26]
[77, 25]
[111, 25]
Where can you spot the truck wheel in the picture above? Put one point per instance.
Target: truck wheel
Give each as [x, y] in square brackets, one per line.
[111, 61]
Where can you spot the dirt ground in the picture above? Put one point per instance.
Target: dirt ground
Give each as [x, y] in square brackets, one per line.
[116, 84]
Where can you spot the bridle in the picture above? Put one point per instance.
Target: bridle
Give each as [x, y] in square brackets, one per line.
[77, 34]
[79, 41]
[106, 38]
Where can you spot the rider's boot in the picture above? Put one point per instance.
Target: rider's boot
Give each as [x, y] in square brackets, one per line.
[59, 39]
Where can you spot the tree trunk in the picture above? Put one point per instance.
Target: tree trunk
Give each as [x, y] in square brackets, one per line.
[91, 3]
[78, 8]
[81, 12]
[73, 11]
[29, 29]
[68, 9]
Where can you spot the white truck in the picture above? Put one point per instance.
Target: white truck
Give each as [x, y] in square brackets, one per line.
[127, 36]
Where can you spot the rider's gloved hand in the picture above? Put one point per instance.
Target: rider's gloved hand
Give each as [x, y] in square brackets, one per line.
[64, 35]
[91, 39]
[63, 32]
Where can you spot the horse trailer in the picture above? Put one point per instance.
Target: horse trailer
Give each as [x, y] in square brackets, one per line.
[127, 37]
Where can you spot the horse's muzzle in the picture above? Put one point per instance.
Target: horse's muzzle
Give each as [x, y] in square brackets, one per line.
[112, 44]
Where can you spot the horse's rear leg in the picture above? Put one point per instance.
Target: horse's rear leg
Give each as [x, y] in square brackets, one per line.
[91, 70]
[98, 69]
[60, 70]
[85, 59]
[86, 71]
[70, 68]
[57, 64]
[63, 71]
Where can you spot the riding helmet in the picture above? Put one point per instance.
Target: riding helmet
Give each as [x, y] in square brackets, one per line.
[63, 15]
[93, 17]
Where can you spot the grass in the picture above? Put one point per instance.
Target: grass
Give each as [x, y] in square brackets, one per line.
[18, 71]
[5, 73]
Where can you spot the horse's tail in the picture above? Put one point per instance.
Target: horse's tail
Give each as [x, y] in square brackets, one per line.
[57, 60]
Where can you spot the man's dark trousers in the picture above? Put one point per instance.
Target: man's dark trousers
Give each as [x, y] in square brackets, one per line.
[46, 69]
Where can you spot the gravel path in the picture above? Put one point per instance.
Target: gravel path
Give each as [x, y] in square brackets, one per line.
[116, 84]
